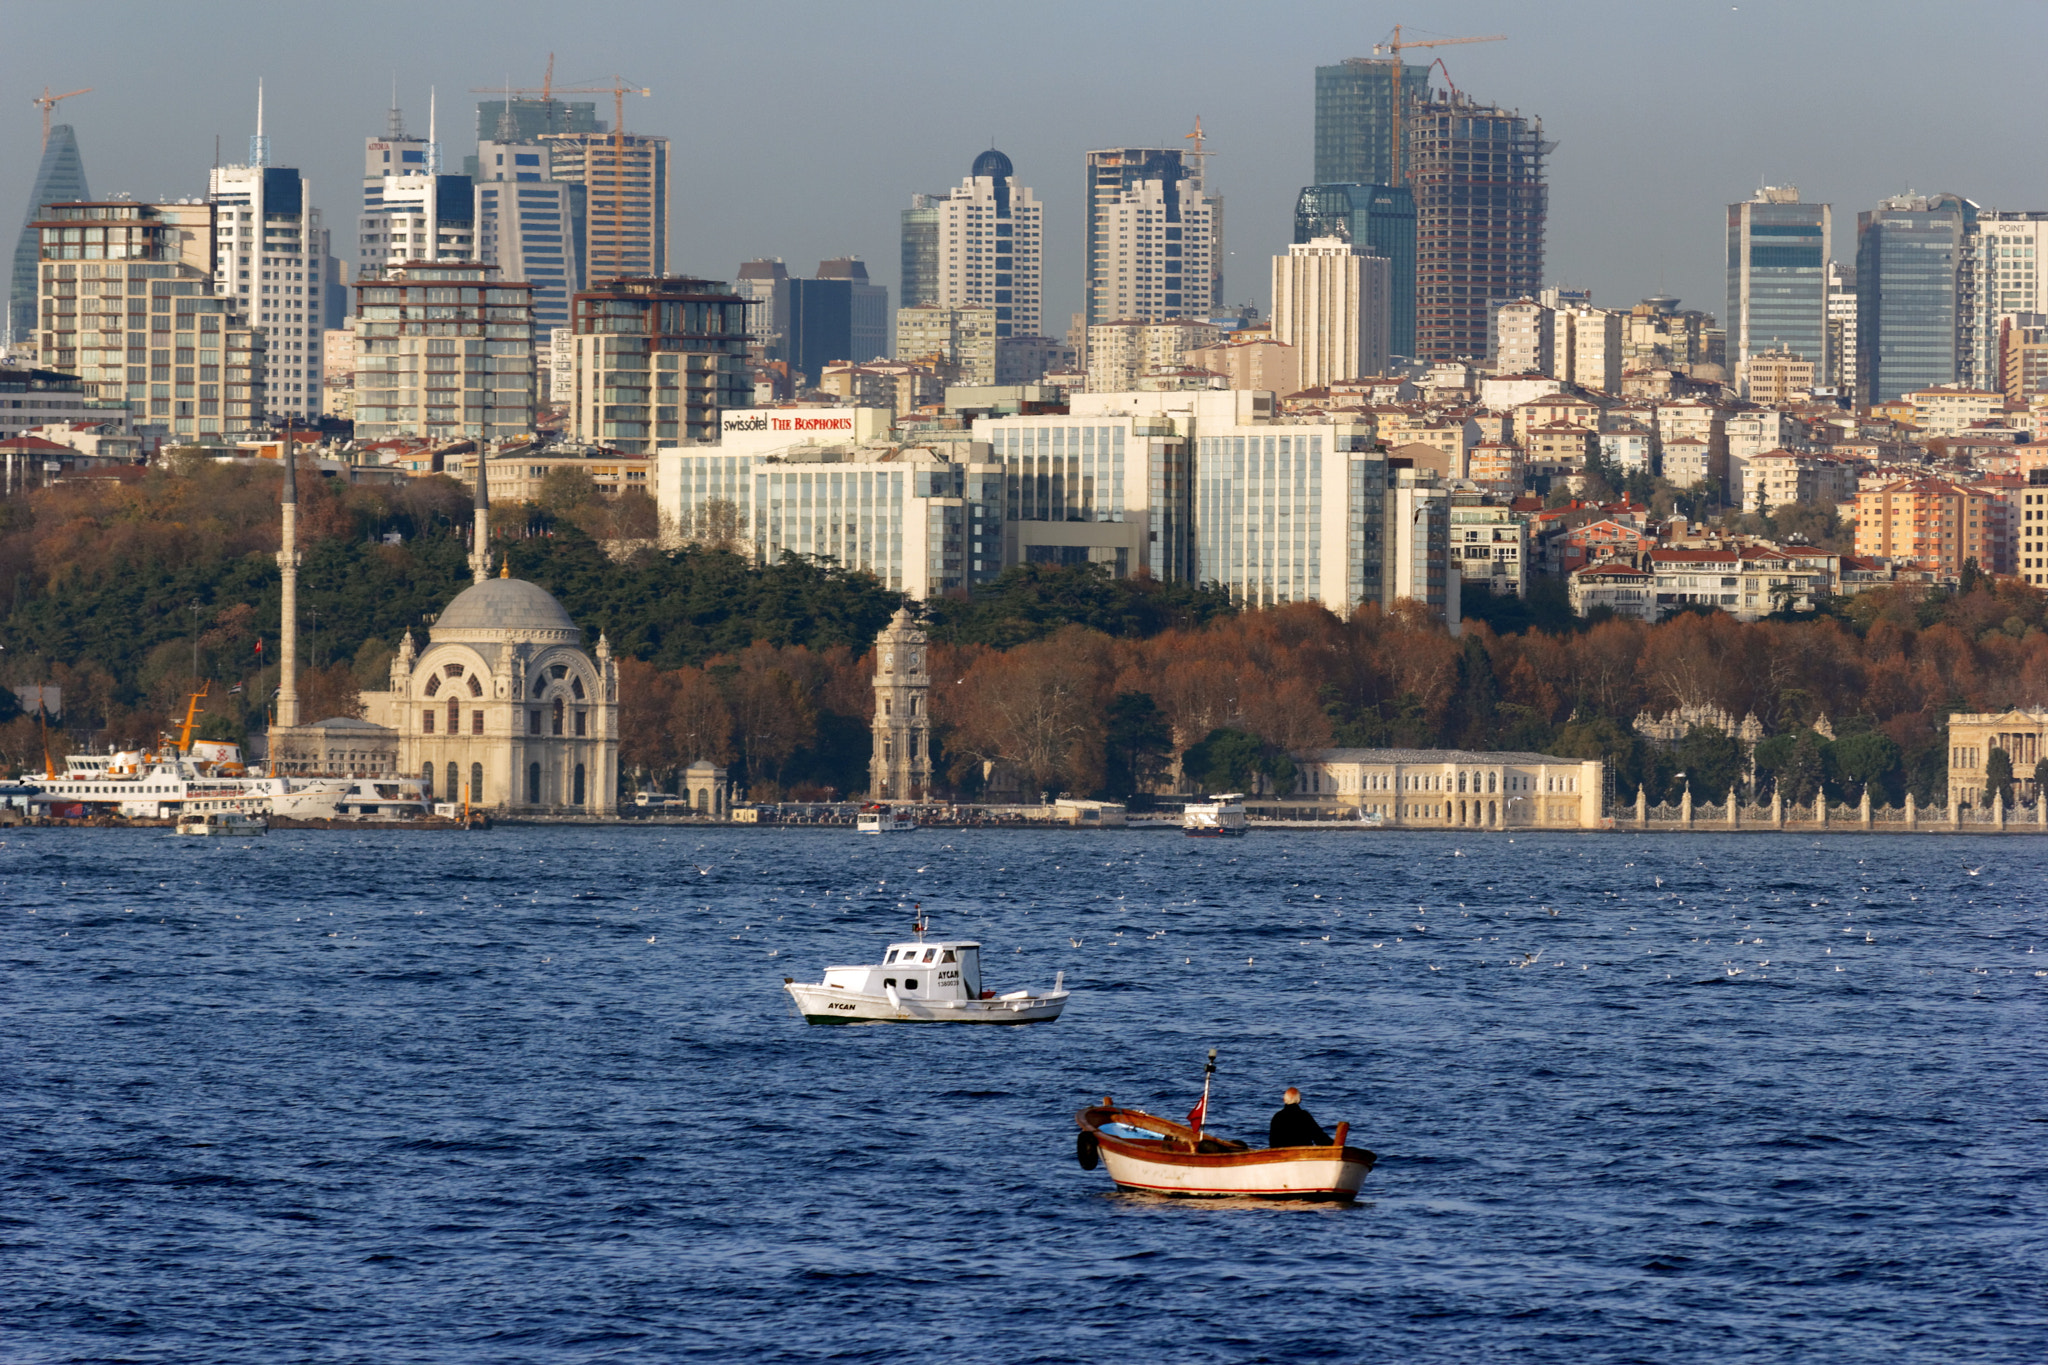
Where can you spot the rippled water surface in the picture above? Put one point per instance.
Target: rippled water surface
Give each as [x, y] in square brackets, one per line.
[536, 1095]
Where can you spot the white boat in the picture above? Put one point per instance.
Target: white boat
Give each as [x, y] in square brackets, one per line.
[921, 983]
[1153, 1155]
[230, 824]
[1220, 817]
[384, 798]
[882, 820]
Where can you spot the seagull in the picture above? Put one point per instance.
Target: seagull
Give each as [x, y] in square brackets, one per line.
[702, 870]
[1973, 871]
[1075, 941]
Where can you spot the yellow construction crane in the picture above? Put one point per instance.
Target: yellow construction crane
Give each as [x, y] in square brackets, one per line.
[1200, 152]
[1393, 48]
[47, 101]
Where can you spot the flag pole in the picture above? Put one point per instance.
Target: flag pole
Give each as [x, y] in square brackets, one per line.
[1207, 1071]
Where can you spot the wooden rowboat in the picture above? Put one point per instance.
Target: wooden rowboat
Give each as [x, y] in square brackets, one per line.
[1175, 1161]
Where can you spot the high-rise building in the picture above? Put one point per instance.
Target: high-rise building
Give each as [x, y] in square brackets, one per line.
[982, 245]
[839, 315]
[1155, 238]
[1840, 374]
[512, 120]
[960, 342]
[1911, 255]
[625, 179]
[444, 351]
[1121, 354]
[2004, 280]
[1354, 118]
[1777, 278]
[129, 305]
[1375, 218]
[1332, 304]
[1480, 202]
[421, 216]
[270, 256]
[530, 225]
[60, 179]
[657, 361]
[764, 284]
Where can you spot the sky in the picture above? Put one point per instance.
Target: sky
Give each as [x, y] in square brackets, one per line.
[801, 129]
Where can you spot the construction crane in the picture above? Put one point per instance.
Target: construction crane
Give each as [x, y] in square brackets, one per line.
[1200, 153]
[618, 90]
[1393, 48]
[47, 101]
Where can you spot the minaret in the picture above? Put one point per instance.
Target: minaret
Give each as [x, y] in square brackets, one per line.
[480, 550]
[288, 569]
[901, 766]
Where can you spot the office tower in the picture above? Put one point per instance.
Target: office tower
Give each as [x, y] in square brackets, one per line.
[982, 245]
[515, 120]
[271, 258]
[1375, 218]
[1477, 175]
[1155, 237]
[657, 361]
[837, 316]
[444, 351]
[60, 179]
[1840, 373]
[421, 216]
[764, 284]
[1332, 303]
[2004, 280]
[1910, 266]
[530, 225]
[625, 180]
[1354, 119]
[129, 304]
[1777, 278]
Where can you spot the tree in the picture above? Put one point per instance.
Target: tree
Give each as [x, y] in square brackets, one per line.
[1867, 762]
[2041, 781]
[1998, 777]
[1137, 742]
[1711, 762]
[565, 489]
[1801, 776]
[1225, 760]
[1039, 708]
[715, 524]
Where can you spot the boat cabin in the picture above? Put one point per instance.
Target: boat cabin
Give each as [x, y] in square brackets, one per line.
[917, 971]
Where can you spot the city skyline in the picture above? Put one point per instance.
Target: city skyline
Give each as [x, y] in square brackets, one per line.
[1633, 210]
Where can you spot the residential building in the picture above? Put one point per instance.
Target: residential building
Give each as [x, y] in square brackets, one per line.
[1952, 409]
[1252, 362]
[1688, 462]
[1026, 360]
[530, 225]
[1480, 204]
[625, 178]
[60, 179]
[1630, 448]
[658, 360]
[1777, 279]
[444, 351]
[1154, 237]
[269, 256]
[960, 342]
[1594, 542]
[1491, 545]
[2021, 733]
[1122, 353]
[191, 364]
[1748, 581]
[31, 398]
[1778, 378]
[1597, 348]
[1332, 304]
[1498, 467]
[1910, 279]
[1779, 477]
[839, 315]
[1620, 585]
[1658, 335]
[764, 284]
[982, 245]
[1379, 219]
[338, 372]
[1926, 522]
[1523, 338]
[519, 476]
[1840, 374]
[901, 386]
[2004, 279]
[418, 216]
[559, 366]
[2031, 548]
[1355, 103]
[1458, 789]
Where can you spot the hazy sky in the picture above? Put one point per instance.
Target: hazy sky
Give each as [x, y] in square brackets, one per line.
[801, 129]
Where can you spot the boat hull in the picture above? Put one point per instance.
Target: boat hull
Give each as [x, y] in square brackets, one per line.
[830, 1005]
[1170, 1165]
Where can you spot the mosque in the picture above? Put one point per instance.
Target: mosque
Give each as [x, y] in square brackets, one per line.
[503, 708]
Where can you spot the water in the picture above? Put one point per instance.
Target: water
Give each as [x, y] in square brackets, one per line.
[535, 1095]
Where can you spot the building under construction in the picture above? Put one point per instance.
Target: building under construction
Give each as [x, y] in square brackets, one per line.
[1477, 175]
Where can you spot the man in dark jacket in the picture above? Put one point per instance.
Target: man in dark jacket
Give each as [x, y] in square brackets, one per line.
[1293, 1126]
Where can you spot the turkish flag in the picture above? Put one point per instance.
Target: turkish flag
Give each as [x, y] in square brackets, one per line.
[1196, 1114]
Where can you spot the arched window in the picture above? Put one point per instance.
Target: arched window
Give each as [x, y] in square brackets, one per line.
[476, 784]
[540, 685]
[434, 685]
[576, 687]
[533, 784]
[576, 792]
[454, 716]
[454, 783]
[558, 715]
[427, 782]
[476, 688]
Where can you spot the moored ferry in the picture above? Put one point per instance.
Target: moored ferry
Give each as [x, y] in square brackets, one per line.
[225, 825]
[1220, 817]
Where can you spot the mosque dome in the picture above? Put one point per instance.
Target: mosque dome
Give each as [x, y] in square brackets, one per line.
[504, 604]
[994, 164]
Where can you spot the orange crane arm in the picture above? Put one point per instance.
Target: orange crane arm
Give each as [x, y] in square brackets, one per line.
[48, 101]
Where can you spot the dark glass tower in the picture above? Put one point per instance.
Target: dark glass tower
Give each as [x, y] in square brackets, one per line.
[60, 179]
[1777, 278]
[1380, 218]
[1909, 294]
[1354, 119]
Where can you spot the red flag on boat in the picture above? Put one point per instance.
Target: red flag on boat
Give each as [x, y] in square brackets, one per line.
[1196, 1114]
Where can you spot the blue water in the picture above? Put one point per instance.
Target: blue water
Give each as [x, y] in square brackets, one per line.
[536, 1095]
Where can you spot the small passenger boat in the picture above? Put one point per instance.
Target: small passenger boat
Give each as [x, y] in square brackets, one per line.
[1220, 817]
[1153, 1155]
[227, 824]
[921, 983]
[882, 820]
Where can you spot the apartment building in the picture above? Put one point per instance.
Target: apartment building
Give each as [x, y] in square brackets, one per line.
[444, 352]
[1122, 353]
[1928, 523]
[625, 180]
[658, 360]
[1491, 545]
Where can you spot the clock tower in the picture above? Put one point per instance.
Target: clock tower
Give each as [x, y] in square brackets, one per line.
[901, 766]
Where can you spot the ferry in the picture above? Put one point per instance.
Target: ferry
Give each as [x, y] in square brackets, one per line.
[1220, 817]
[921, 983]
[384, 798]
[228, 824]
[882, 820]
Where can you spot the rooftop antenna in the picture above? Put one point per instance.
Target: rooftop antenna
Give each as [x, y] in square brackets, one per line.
[507, 130]
[259, 145]
[394, 122]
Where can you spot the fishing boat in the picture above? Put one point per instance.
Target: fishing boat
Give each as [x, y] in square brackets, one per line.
[880, 819]
[227, 824]
[1220, 817]
[1153, 1155]
[921, 983]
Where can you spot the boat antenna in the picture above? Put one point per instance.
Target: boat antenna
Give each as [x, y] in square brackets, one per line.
[917, 920]
[1202, 1109]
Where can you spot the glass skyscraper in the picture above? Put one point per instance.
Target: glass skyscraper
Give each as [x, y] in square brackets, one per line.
[1777, 277]
[1378, 218]
[1354, 119]
[1909, 294]
[60, 179]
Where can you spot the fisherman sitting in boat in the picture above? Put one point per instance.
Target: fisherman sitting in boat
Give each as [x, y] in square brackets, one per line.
[1293, 1126]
